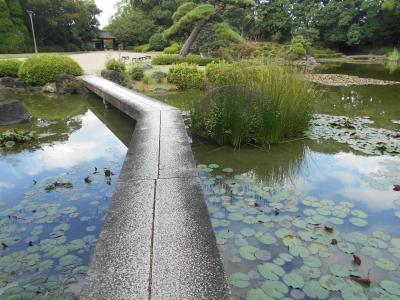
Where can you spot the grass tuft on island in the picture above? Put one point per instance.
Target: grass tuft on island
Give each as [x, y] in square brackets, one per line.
[252, 104]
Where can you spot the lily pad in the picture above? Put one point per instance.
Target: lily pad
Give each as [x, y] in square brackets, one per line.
[391, 287]
[270, 271]
[293, 280]
[339, 270]
[358, 222]
[332, 283]
[239, 280]
[353, 293]
[312, 261]
[248, 252]
[314, 290]
[347, 247]
[257, 294]
[371, 251]
[247, 232]
[299, 251]
[275, 289]
[265, 238]
[386, 264]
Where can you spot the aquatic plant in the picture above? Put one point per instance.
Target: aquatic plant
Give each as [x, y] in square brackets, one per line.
[252, 103]
[278, 243]
[355, 133]
[12, 137]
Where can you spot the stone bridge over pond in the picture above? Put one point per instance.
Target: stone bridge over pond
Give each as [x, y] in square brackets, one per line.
[157, 241]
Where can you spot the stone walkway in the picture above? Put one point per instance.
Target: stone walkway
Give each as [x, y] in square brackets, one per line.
[157, 242]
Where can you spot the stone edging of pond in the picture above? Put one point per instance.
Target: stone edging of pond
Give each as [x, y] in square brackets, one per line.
[157, 241]
[345, 80]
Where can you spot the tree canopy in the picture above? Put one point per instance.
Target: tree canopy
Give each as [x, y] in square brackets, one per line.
[345, 25]
[60, 25]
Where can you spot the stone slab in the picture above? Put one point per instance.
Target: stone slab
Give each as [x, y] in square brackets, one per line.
[186, 261]
[120, 265]
[157, 241]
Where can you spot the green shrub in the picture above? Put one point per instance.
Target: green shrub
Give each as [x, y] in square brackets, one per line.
[296, 52]
[50, 48]
[72, 48]
[394, 56]
[298, 48]
[137, 72]
[115, 65]
[324, 53]
[186, 76]
[9, 67]
[140, 48]
[218, 73]
[39, 70]
[88, 47]
[158, 42]
[173, 49]
[170, 59]
[257, 104]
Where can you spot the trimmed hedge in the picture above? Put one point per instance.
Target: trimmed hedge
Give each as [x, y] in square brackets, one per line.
[186, 76]
[9, 67]
[39, 70]
[170, 59]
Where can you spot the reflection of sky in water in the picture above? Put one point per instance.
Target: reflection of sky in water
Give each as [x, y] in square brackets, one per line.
[92, 142]
[341, 176]
[92, 145]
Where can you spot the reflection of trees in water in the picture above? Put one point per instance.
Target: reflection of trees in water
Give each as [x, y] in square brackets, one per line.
[276, 165]
[54, 118]
[378, 102]
[120, 124]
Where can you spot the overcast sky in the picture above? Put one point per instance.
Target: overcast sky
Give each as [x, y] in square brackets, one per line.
[107, 6]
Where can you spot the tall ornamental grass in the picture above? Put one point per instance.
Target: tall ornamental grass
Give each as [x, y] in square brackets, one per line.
[253, 104]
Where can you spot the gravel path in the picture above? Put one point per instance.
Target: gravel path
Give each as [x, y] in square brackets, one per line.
[93, 62]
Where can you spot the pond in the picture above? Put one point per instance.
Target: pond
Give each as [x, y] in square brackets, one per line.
[312, 218]
[51, 211]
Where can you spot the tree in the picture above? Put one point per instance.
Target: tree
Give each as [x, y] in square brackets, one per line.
[65, 23]
[274, 19]
[12, 40]
[133, 26]
[196, 17]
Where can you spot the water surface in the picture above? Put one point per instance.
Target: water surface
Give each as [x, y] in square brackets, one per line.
[289, 218]
[48, 232]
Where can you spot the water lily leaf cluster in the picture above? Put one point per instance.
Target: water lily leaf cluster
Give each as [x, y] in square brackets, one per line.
[45, 252]
[279, 244]
[13, 137]
[355, 133]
